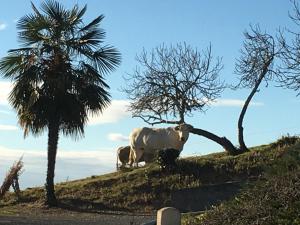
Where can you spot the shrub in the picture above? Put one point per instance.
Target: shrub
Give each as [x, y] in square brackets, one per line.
[166, 158]
[285, 141]
[12, 179]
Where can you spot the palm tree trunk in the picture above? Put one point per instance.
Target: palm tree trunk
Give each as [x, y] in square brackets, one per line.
[243, 147]
[53, 134]
[223, 141]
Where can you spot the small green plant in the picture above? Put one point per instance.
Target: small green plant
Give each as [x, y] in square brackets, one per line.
[166, 158]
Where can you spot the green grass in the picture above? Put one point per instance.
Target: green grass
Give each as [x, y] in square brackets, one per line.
[259, 171]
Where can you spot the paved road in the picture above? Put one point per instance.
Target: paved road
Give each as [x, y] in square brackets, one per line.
[93, 219]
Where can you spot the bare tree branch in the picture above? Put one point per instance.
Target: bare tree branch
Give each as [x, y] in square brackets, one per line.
[152, 120]
[254, 66]
[290, 54]
[173, 82]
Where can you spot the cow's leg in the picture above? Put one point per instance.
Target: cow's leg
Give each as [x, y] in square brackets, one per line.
[132, 157]
[138, 155]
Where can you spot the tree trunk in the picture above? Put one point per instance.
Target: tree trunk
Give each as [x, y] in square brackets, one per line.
[53, 134]
[223, 141]
[243, 146]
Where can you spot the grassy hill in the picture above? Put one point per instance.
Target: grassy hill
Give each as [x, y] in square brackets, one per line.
[274, 198]
[252, 186]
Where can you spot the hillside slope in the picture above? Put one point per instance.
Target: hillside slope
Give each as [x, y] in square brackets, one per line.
[273, 199]
[196, 184]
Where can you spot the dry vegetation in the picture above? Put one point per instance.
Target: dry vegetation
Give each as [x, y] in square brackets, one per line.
[12, 179]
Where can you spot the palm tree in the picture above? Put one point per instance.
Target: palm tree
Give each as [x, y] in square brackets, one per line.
[58, 75]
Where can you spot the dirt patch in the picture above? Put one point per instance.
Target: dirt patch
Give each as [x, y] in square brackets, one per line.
[101, 219]
[20, 215]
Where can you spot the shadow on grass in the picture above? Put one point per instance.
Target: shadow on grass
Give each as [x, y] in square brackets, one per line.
[84, 206]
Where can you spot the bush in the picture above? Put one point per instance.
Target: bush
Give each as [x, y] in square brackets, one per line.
[166, 158]
[285, 141]
[12, 179]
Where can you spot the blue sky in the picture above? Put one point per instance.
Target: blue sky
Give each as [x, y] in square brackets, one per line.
[131, 26]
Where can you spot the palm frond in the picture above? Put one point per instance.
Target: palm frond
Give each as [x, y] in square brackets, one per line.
[21, 50]
[32, 29]
[30, 76]
[93, 25]
[91, 38]
[54, 10]
[35, 10]
[17, 61]
[81, 50]
[90, 74]
[76, 14]
[10, 65]
[85, 44]
[107, 59]
[96, 98]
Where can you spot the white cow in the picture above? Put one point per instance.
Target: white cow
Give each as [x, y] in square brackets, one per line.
[146, 141]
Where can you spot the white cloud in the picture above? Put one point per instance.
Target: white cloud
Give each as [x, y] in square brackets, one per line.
[2, 26]
[4, 112]
[114, 113]
[14, 154]
[8, 127]
[5, 88]
[101, 155]
[69, 164]
[233, 103]
[117, 137]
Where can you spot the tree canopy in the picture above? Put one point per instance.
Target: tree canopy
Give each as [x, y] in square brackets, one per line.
[172, 82]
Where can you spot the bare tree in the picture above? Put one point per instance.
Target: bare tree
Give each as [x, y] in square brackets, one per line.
[254, 66]
[290, 54]
[172, 83]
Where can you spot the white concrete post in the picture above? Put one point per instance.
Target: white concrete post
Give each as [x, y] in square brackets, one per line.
[168, 216]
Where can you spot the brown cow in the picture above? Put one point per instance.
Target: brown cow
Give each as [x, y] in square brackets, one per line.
[123, 154]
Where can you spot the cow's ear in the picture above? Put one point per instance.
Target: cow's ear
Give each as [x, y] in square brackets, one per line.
[176, 128]
[190, 127]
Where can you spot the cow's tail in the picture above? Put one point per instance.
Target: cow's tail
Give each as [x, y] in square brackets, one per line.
[117, 164]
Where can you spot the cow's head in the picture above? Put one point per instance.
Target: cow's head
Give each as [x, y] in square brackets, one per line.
[183, 131]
